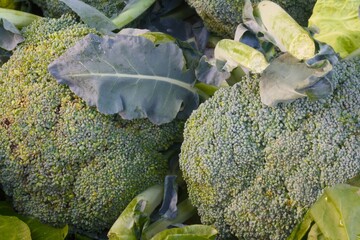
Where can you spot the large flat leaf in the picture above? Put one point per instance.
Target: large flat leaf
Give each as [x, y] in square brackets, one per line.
[129, 75]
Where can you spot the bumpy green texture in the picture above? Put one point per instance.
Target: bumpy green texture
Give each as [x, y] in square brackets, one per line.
[223, 16]
[253, 170]
[60, 160]
[56, 8]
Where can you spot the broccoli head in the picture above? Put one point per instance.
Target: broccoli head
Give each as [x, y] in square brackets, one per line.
[253, 171]
[55, 8]
[223, 16]
[60, 160]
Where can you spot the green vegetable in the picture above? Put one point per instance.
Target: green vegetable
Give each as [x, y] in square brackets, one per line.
[223, 16]
[61, 160]
[56, 8]
[239, 54]
[335, 215]
[138, 84]
[10, 35]
[342, 29]
[253, 171]
[18, 18]
[191, 232]
[14, 228]
[288, 35]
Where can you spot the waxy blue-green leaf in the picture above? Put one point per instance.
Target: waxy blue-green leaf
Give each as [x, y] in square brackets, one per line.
[10, 36]
[129, 75]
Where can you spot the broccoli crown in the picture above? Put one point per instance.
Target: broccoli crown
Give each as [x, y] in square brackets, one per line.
[55, 8]
[223, 16]
[60, 160]
[253, 170]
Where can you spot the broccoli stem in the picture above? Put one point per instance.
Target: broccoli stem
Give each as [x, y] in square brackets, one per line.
[18, 18]
[132, 12]
[185, 211]
[126, 226]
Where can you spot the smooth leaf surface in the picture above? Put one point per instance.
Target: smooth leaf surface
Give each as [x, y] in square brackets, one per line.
[91, 16]
[338, 24]
[129, 75]
[10, 36]
[191, 232]
[12, 228]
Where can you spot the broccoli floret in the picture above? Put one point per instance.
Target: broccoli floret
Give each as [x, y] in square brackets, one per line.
[253, 171]
[60, 160]
[55, 8]
[223, 16]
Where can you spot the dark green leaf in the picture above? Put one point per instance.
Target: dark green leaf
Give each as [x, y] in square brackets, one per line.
[129, 75]
[168, 207]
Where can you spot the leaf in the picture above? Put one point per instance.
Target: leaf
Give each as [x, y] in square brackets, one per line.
[191, 232]
[129, 75]
[91, 16]
[39, 231]
[10, 36]
[12, 228]
[335, 215]
[168, 207]
[287, 79]
[211, 73]
[338, 24]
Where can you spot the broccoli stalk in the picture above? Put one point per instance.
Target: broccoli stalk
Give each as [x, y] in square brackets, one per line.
[18, 18]
[129, 13]
[133, 223]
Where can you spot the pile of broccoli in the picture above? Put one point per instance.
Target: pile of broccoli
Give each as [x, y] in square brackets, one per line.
[223, 16]
[253, 171]
[61, 160]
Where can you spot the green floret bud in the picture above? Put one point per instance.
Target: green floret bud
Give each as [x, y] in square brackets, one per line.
[62, 161]
[253, 171]
[222, 17]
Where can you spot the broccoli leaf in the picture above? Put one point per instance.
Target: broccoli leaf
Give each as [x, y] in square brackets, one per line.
[91, 16]
[335, 215]
[287, 79]
[129, 75]
[10, 36]
[342, 29]
[13, 228]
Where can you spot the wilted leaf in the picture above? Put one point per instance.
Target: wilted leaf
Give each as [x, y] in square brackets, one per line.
[129, 75]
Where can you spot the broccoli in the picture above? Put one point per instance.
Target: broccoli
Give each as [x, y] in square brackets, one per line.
[56, 8]
[253, 171]
[223, 16]
[60, 160]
